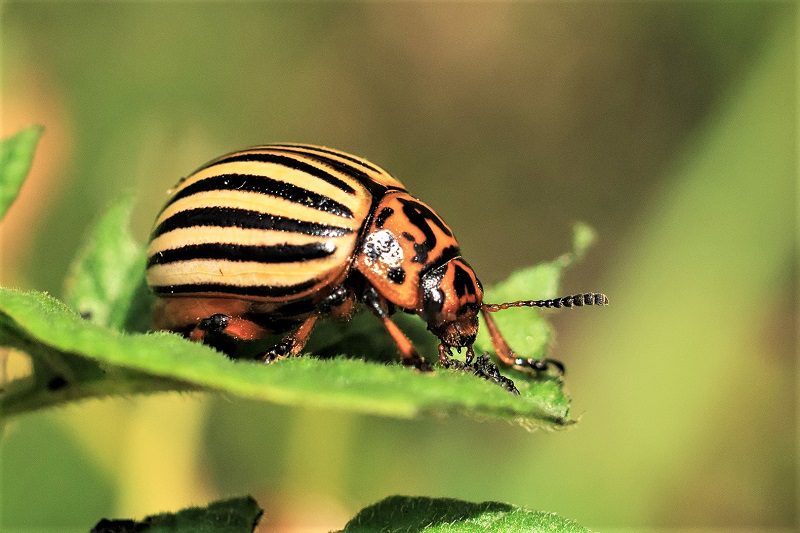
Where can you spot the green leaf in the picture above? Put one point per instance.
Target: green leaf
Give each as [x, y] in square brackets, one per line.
[446, 515]
[16, 156]
[237, 515]
[106, 281]
[165, 361]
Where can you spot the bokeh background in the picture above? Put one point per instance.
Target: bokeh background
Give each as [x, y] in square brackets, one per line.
[669, 127]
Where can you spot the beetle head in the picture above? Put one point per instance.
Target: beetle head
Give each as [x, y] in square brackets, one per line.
[451, 298]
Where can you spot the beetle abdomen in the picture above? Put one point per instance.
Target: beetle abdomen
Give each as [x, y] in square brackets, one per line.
[274, 223]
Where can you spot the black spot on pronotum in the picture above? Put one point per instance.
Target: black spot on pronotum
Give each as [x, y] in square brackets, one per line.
[57, 383]
[86, 315]
[397, 275]
[385, 213]
[462, 282]
[420, 215]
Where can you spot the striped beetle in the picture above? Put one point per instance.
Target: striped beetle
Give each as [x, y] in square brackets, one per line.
[269, 239]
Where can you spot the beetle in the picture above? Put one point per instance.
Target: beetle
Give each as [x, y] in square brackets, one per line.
[269, 239]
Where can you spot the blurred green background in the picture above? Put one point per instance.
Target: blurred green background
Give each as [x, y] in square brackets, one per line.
[669, 127]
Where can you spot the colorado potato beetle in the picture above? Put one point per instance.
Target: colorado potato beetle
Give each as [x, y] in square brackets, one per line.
[269, 239]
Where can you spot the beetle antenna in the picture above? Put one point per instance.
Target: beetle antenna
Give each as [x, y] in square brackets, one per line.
[577, 300]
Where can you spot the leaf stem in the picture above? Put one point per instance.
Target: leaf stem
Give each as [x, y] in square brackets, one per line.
[37, 391]
[22, 396]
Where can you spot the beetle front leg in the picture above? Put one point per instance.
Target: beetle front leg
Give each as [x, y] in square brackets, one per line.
[508, 357]
[409, 354]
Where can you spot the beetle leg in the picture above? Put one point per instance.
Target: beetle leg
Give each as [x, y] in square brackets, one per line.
[339, 304]
[404, 345]
[221, 331]
[444, 355]
[470, 355]
[508, 357]
[291, 344]
[380, 308]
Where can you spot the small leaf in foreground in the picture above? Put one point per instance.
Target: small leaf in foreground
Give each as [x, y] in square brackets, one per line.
[16, 156]
[106, 282]
[402, 514]
[237, 515]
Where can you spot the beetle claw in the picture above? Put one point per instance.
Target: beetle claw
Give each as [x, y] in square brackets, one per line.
[419, 363]
[279, 351]
[539, 366]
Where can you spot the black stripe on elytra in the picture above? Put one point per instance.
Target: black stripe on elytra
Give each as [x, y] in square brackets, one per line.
[332, 152]
[376, 189]
[264, 185]
[287, 161]
[239, 290]
[278, 253]
[229, 217]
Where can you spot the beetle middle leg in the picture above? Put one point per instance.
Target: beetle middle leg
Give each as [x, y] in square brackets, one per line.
[508, 357]
[293, 343]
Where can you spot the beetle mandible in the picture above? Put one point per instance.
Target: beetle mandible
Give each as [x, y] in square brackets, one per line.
[269, 239]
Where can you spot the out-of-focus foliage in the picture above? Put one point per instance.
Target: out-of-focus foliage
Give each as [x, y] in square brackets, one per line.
[105, 283]
[16, 154]
[670, 128]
